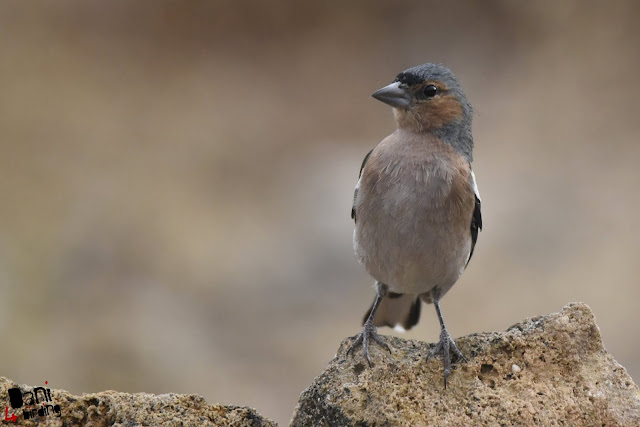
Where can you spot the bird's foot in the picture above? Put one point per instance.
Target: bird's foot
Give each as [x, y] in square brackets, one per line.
[446, 345]
[367, 335]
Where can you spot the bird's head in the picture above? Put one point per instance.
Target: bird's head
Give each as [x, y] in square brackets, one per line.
[427, 98]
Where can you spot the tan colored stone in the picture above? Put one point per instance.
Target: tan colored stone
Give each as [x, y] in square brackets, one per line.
[110, 408]
[565, 377]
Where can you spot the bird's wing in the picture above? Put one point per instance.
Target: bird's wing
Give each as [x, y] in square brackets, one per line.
[476, 220]
[355, 192]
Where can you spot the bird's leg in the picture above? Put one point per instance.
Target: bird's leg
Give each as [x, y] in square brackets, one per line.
[369, 333]
[445, 344]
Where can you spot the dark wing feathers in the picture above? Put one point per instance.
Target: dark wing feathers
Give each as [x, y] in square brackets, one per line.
[355, 193]
[476, 225]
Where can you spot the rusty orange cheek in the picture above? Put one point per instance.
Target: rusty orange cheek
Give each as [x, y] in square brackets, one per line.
[442, 110]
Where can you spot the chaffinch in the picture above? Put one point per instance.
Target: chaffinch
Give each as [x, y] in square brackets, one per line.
[416, 205]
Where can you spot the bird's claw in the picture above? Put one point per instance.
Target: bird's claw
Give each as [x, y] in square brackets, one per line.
[446, 345]
[367, 335]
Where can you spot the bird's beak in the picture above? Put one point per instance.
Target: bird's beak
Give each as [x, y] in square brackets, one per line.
[394, 95]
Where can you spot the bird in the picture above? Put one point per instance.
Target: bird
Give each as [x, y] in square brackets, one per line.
[416, 205]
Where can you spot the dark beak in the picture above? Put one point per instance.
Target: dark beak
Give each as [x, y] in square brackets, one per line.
[394, 95]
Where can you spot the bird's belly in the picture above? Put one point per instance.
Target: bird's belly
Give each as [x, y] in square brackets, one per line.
[412, 251]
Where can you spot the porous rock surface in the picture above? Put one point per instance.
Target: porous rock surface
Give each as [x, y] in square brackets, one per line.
[111, 408]
[551, 370]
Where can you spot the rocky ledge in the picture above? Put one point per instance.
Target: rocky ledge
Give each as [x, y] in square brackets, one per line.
[50, 407]
[548, 370]
[551, 370]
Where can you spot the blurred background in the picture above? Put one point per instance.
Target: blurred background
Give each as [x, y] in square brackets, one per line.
[176, 181]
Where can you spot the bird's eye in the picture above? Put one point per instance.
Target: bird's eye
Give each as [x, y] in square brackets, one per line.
[430, 91]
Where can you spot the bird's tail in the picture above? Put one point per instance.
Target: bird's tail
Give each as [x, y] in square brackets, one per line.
[397, 309]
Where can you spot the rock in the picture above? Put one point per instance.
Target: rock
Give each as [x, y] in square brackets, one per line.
[548, 370]
[110, 408]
